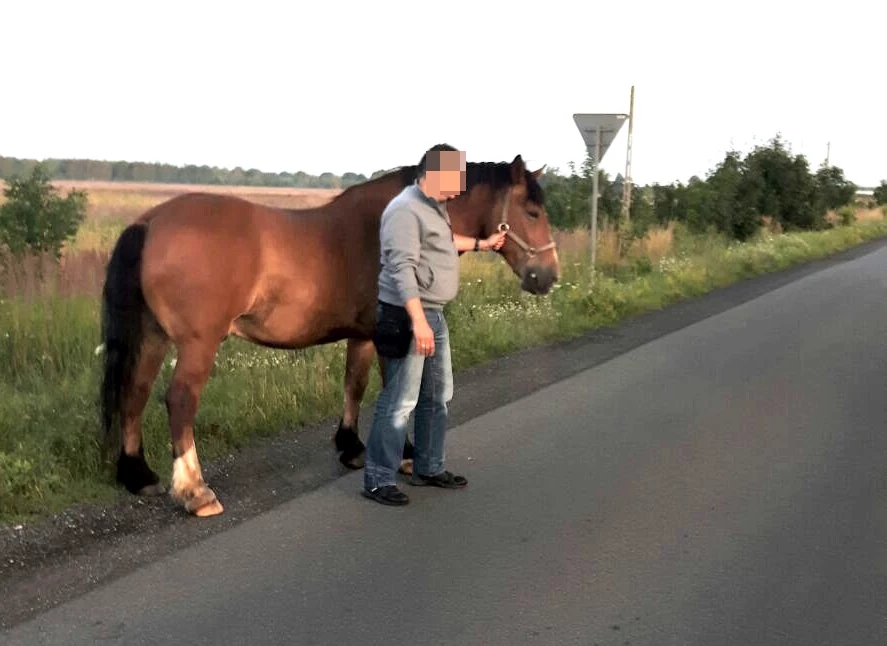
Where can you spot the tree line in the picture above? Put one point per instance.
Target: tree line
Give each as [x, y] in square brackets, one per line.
[124, 171]
[732, 199]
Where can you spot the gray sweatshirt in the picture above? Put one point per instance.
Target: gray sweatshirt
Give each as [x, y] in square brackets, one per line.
[418, 255]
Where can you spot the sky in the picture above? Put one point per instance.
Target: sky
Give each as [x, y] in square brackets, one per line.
[364, 86]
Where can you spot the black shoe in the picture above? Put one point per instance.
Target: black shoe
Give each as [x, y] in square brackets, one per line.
[387, 495]
[445, 480]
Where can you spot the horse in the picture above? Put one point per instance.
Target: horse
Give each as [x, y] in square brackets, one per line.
[200, 267]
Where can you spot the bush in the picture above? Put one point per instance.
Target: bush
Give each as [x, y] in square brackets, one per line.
[35, 219]
[847, 214]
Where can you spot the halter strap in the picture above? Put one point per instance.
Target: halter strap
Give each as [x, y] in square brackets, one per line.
[504, 226]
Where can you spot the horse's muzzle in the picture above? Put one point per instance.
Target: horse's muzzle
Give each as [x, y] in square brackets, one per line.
[538, 279]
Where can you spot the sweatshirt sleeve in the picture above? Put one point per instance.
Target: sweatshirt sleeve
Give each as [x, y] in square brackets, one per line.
[400, 242]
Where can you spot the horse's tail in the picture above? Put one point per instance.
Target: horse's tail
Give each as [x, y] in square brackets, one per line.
[123, 307]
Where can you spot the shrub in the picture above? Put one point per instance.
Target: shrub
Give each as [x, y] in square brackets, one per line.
[35, 219]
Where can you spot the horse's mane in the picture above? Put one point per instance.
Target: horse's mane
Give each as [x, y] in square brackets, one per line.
[496, 175]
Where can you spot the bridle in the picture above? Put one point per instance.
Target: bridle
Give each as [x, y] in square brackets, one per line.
[505, 227]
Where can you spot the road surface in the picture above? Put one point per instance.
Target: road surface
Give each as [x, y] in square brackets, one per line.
[723, 484]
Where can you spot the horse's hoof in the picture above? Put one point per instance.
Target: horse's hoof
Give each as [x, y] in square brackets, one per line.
[347, 439]
[212, 509]
[353, 460]
[406, 467]
[202, 503]
[152, 490]
[136, 476]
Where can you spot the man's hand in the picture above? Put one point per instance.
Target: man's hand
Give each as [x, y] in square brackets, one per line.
[424, 337]
[494, 242]
[466, 243]
[422, 332]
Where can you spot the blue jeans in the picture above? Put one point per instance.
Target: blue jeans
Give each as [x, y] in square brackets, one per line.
[419, 384]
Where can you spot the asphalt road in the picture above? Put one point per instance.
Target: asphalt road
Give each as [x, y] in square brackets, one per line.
[723, 484]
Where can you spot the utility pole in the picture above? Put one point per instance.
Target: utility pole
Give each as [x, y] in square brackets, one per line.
[828, 152]
[627, 184]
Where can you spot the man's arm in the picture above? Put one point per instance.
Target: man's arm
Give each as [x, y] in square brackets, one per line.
[400, 242]
[464, 243]
[401, 245]
[415, 310]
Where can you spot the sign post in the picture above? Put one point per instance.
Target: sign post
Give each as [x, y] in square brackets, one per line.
[595, 192]
[598, 132]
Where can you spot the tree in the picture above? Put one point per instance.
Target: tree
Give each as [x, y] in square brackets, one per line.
[880, 193]
[558, 203]
[832, 190]
[785, 188]
[732, 197]
[641, 209]
[665, 203]
[36, 219]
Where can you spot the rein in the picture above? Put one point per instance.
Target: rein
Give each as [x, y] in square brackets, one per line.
[504, 226]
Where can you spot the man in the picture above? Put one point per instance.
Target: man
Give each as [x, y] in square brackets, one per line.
[419, 275]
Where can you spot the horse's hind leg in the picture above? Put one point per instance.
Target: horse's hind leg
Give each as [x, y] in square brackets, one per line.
[359, 356]
[193, 367]
[133, 471]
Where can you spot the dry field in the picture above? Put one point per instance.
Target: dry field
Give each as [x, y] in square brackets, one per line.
[127, 200]
[112, 205]
[121, 202]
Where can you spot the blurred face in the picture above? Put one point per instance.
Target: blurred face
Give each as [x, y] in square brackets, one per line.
[449, 181]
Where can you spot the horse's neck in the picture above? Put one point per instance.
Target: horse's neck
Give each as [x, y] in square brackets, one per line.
[468, 220]
[363, 205]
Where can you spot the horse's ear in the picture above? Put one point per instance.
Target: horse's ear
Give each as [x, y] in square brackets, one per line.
[538, 173]
[517, 170]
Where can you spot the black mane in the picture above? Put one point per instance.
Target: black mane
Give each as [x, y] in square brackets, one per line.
[496, 175]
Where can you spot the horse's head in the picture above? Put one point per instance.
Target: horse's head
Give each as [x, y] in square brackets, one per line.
[508, 197]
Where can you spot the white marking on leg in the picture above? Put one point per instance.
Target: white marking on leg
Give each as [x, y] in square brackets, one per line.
[186, 473]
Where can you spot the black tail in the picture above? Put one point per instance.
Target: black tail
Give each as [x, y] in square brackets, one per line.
[123, 307]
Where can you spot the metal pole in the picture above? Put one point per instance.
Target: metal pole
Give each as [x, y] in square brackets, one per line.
[626, 195]
[594, 198]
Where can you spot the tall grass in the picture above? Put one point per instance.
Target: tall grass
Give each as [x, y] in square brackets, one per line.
[49, 370]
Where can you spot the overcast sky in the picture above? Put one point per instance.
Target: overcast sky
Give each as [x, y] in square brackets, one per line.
[361, 86]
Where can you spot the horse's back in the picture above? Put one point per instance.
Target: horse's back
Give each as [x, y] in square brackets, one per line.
[285, 277]
[223, 209]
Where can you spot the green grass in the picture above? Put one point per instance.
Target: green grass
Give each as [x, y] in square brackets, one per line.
[49, 372]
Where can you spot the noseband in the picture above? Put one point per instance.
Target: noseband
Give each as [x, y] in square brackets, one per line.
[505, 227]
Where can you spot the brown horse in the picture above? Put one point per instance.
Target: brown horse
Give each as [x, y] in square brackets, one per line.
[201, 267]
